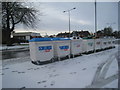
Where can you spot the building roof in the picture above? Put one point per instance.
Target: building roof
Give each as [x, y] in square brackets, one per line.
[26, 34]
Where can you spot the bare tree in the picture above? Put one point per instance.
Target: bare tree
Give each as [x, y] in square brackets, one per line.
[14, 13]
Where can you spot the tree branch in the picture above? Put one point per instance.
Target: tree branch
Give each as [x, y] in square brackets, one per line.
[20, 18]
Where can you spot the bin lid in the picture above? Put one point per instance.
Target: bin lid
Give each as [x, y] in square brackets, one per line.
[40, 39]
[47, 39]
[59, 39]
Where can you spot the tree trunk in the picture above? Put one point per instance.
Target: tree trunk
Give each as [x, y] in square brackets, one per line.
[8, 30]
[8, 38]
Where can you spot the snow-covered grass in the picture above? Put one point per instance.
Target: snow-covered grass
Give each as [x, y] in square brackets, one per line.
[71, 73]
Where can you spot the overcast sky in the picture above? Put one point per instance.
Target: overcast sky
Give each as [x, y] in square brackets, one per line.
[55, 21]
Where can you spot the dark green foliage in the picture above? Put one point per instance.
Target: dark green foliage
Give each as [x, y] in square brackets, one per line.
[108, 31]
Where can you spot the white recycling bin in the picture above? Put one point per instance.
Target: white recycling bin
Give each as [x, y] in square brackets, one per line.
[41, 50]
[76, 46]
[104, 43]
[98, 44]
[88, 45]
[110, 42]
[61, 47]
[113, 42]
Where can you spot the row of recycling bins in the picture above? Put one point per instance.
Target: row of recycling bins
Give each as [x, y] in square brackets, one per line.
[50, 49]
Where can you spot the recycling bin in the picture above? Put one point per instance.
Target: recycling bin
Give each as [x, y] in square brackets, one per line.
[61, 47]
[41, 50]
[105, 43]
[87, 45]
[76, 46]
[98, 44]
[113, 42]
[110, 42]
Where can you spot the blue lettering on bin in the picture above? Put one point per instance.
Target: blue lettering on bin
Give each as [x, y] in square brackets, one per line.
[45, 48]
[65, 48]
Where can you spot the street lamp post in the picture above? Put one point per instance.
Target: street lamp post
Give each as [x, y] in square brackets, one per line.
[95, 19]
[69, 25]
[69, 17]
[95, 26]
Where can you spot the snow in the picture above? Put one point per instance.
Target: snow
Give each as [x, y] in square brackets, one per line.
[113, 84]
[112, 68]
[76, 72]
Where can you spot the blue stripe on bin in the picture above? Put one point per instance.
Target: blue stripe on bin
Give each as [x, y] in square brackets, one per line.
[47, 39]
[40, 39]
[45, 48]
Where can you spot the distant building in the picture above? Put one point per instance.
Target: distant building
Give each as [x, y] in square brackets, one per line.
[25, 36]
[81, 33]
[51, 36]
[74, 33]
[100, 33]
[63, 35]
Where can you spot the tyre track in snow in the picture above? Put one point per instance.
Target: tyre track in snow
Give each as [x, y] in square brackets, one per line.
[99, 79]
[118, 60]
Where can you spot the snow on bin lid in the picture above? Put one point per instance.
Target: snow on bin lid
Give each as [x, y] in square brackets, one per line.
[47, 39]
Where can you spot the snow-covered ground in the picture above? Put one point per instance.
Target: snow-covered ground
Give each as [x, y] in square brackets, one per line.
[99, 70]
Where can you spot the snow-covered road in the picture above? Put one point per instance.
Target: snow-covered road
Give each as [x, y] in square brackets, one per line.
[99, 70]
[17, 47]
[100, 78]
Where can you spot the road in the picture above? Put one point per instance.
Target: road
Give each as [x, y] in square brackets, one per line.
[99, 79]
[118, 59]
[9, 54]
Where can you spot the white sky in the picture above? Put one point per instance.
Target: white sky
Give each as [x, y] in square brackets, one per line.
[82, 18]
